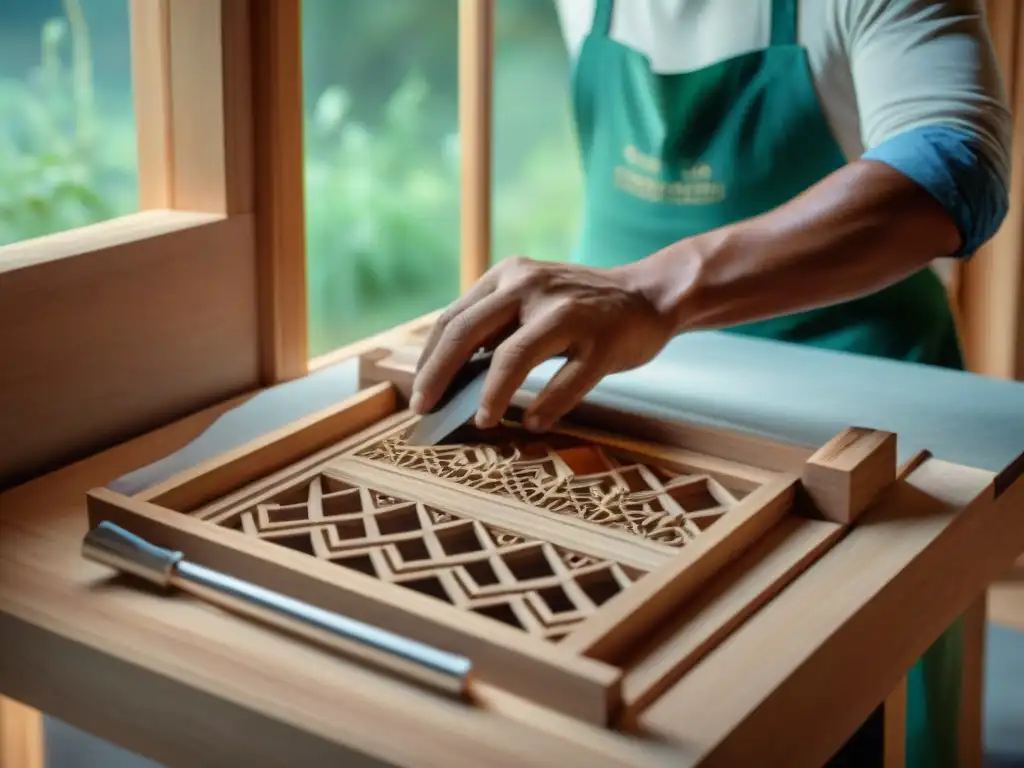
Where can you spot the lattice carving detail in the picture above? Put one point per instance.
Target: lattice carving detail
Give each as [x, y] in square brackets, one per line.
[538, 587]
[579, 480]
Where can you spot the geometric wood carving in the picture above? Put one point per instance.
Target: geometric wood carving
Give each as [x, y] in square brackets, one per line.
[530, 584]
[547, 559]
[568, 477]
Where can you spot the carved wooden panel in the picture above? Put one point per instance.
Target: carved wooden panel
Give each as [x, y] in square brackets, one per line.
[493, 571]
[548, 560]
[338, 514]
[567, 476]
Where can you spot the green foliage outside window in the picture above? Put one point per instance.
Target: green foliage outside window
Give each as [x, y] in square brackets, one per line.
[381, 154]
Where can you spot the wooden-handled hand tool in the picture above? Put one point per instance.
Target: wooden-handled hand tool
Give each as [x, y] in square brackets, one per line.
[439, 670]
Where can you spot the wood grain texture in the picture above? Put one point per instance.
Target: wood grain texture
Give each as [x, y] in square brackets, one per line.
[396, 335]
[585, 542]
[398, 365]
[186, 691]
[476, 86]
[846, 475]
[637, 612]
[138, 330]
[277, 111]
[154, 315]
[585, 689]
[734, 594]
[892, 564]
[192, 85]
[151, 92]
[990, 287]
[274, 451]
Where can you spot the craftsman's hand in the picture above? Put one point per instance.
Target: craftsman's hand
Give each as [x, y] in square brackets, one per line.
[534, 311]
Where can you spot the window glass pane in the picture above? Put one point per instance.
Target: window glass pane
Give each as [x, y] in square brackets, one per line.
[381, 163]
[537, 178]
[382, 175]
[67, 126]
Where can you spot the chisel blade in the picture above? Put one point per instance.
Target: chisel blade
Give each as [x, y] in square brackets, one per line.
[460, 403]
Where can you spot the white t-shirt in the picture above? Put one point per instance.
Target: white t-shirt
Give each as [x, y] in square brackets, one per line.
[880, 67]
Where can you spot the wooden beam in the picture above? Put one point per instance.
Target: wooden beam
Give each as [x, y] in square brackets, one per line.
[151, 89]
[990, 287]
[147, 318]
[192, 84]
[476, 66]
[280, 207]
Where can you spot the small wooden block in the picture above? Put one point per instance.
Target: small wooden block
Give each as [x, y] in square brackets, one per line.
[845, 476]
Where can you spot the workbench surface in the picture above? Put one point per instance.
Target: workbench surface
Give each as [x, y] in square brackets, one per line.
[186, 684]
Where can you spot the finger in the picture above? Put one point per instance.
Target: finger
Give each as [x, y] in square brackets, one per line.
[480, 290]
[457, 343]
[513, 360]
[566, 389]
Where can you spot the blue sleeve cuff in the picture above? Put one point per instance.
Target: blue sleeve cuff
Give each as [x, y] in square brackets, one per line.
[948, 163]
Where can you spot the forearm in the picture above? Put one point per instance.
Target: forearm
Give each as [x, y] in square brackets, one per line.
[859, 230]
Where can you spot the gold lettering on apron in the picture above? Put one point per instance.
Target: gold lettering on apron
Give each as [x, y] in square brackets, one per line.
[695, 185]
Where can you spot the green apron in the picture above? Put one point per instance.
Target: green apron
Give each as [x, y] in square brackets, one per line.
[666, 157]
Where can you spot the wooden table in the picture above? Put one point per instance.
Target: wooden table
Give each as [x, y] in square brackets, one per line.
[187, 685]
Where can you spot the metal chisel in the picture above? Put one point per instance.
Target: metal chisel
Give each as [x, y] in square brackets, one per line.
[457, 406]
[418, 662]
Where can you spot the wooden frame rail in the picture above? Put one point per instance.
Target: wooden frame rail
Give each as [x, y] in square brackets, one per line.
[988, 290]
[476, 75]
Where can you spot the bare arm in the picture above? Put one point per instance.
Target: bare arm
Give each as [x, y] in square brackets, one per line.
[859, 230]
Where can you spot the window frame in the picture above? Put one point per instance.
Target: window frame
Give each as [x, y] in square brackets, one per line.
[202, 291]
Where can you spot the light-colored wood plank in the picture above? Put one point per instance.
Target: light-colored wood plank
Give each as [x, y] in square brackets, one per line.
[22, 743]
[397, 335]
[69, 631]
[848, 473]
[844, 624]
[476, 75]
[731, 597]
[138, 329]
[192, 84]
[211, 105]
[991, 285]
[300, 471]
[280, 189]
[398, 365]
[273, 451]
[151, 90]
[241, 86]
[634, 613]
[182, 684]
[122, 231]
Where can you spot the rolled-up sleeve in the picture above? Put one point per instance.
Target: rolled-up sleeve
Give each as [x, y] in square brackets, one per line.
[932, 104]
